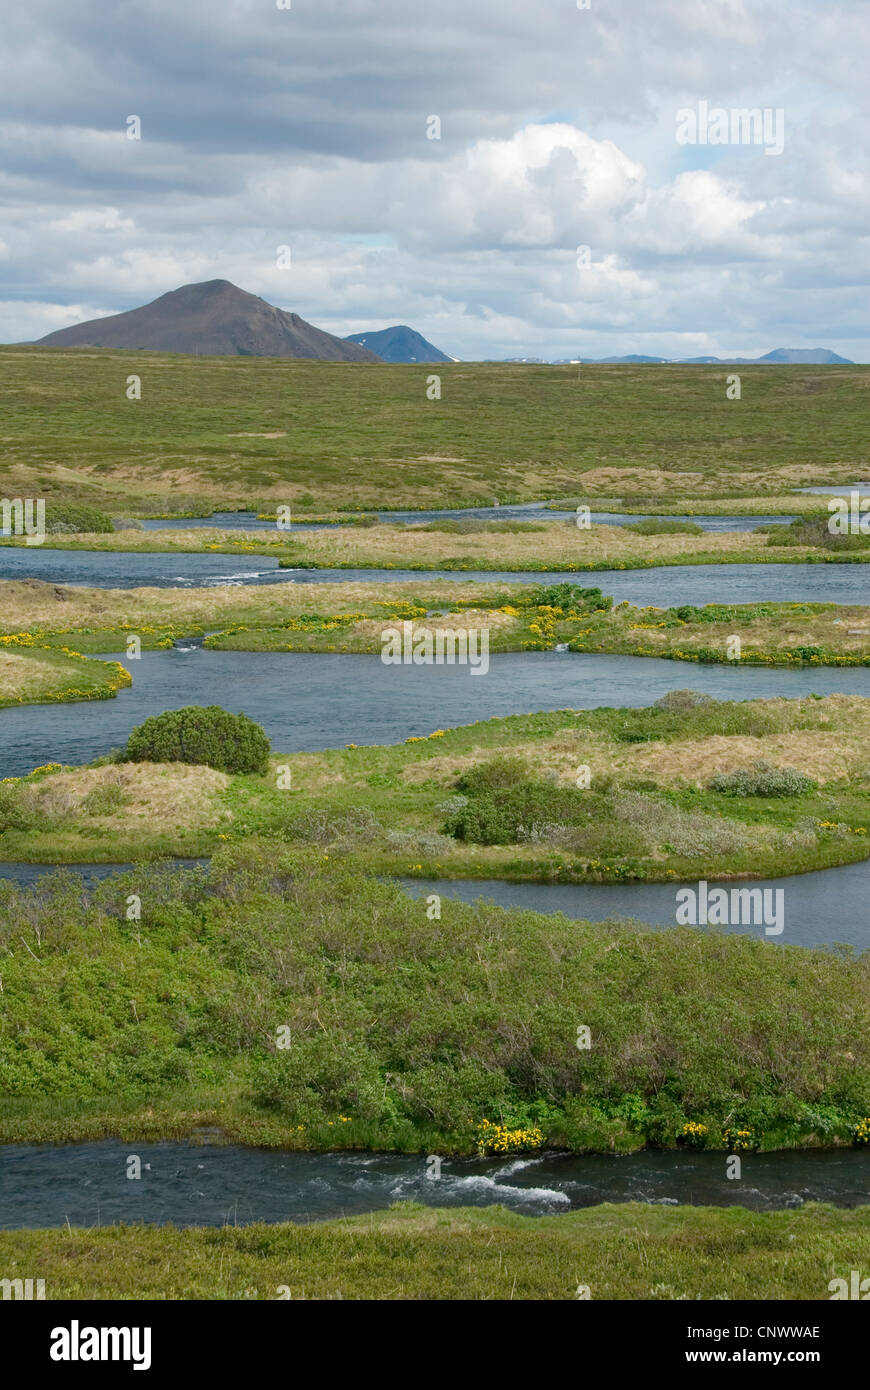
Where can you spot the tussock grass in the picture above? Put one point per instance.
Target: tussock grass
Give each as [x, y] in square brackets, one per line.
[555, 546]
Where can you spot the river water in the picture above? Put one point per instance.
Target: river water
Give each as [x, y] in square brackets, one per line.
[210, 1185]
[820, 908]
[662, 585]
[309, 701]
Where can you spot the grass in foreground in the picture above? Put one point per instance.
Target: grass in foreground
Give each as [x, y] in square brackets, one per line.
[314, 1008]
[412, 1252]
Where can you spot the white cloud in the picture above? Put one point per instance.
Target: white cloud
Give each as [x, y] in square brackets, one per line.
[264, 127]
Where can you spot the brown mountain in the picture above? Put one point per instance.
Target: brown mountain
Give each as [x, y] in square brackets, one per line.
[214, 319]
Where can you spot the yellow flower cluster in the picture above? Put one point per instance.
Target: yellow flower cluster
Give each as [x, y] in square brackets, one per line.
[740, 1139]
[841, 825]
[693, 1130]
[498, 1139]
[862, 1131]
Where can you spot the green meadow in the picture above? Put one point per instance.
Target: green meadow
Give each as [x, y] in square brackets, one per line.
[412, 1252]
[232, 431]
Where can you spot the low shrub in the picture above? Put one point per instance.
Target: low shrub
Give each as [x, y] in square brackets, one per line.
[17, 812]
[493, 775]
[104, 800]
[571, 598]
[69, 518]
[762, 780]
[527, 811]
[813, 531]
[323, 826]
[199, 734]
[679, 700]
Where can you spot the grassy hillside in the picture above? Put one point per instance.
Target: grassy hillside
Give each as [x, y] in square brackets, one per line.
[326, 434]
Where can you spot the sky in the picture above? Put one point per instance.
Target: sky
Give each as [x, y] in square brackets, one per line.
[513, 178]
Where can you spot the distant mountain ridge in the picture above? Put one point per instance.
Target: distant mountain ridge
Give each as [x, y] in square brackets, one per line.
[810, 357]
[399, 344]
[215, 319]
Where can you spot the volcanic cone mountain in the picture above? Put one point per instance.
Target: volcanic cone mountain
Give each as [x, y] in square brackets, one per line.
[216, 319]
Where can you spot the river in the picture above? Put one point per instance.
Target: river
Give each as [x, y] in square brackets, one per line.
[661, 585]
[308, 701]
[210, 1185]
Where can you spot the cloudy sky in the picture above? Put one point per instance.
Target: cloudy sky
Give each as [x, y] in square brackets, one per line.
[309, 127]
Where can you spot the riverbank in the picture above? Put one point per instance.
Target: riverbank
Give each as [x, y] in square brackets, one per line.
[411, 1252]
[426, 808]
[288, 1001]
[553, 547]
[356, 619]
[32, 673]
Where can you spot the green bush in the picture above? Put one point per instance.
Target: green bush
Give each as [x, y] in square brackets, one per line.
[68, 518]
[201, 734]
[571, 598]
[813, 530]
[396, 1019]
[15, 813]
[762, 780]
[679, 700]
[509, 815]
[493, 775]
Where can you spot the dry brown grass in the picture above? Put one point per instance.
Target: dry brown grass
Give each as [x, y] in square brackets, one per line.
[470, 620]
[155, 795]
[825, 754]
[561, 543]
[24, 675]
[30, 603]
[655, 481]
[845, 629]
